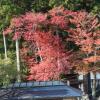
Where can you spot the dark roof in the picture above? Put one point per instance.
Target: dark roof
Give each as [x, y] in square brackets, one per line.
[38, 90]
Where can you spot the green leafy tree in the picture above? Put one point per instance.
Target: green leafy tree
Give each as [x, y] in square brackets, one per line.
[7, 69]
[9, 9]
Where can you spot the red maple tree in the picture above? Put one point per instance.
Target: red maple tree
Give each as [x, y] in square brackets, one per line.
[44, 52]
[86, 35]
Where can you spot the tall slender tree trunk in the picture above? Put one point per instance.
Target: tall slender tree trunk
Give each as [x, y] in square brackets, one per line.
[5, 51]
[18, 61]
[5, 46]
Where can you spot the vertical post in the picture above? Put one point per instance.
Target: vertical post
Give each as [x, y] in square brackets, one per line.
[5, 46]
[68, 82]
[94, 86]
[79, 98]
[94, 80]
[89, 84]
[18, 61]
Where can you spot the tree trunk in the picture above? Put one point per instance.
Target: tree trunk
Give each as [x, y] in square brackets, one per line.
[18, 61]
[5, 46]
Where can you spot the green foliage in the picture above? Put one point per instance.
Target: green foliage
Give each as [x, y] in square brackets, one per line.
[6, 11]
[10, 8]
[69, 4]
[88, 5]
[7, 71]
[96, 8]
[40, 5]
[55, 3]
